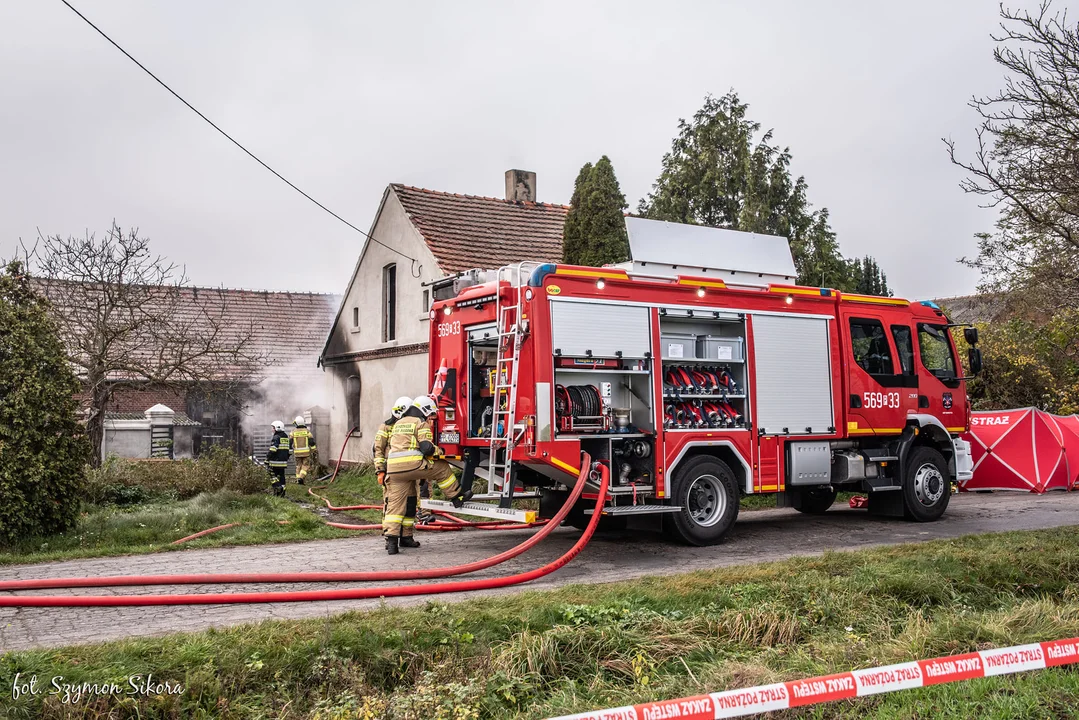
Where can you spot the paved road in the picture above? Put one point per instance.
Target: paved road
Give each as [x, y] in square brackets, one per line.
[759, 536]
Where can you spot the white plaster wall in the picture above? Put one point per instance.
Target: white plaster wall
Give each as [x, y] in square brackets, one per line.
[382, 380]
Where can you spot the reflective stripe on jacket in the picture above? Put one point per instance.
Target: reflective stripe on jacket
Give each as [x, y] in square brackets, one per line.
[277, 456]
[404, 448]
[303, 442]
[382, 441]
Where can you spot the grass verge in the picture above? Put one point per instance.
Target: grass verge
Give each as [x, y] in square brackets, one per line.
[535, 655]
[151, 527]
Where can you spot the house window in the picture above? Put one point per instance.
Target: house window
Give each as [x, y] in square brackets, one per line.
[355, 317]
[426, 300]
[389, 303]
[352, 400]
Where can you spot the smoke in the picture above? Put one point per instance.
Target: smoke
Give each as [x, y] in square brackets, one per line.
[286, 392]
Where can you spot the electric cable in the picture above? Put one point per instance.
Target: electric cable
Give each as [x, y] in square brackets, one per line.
[414, 270]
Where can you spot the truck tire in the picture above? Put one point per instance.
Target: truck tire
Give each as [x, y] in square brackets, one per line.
[706, 489]
[816, 501]
[926, 486]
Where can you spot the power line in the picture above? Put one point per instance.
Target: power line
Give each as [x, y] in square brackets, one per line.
[235, 142]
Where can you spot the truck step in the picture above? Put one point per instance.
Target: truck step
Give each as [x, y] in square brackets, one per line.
[517, 495]
[881, 458]
[636, 509]
[482, 510]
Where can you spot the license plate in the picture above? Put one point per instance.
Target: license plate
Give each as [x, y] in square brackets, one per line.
[449, 438]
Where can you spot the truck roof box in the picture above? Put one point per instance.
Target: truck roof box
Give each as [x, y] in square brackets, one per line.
[667, 249]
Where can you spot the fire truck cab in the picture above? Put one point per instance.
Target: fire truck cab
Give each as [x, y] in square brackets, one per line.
[698, 372]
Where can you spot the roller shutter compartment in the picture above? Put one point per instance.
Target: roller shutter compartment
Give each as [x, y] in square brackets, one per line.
[599, 329]
[794, 375]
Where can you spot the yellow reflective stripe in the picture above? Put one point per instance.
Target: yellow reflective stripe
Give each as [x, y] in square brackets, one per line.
[400, 460]
[408, 522]
[393, 518]
[443, 484]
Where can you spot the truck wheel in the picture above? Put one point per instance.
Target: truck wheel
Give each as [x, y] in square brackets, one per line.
[926, 488]
[816, 501]
[708, 493]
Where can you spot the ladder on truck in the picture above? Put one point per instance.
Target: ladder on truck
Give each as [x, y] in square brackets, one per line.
[510, 332]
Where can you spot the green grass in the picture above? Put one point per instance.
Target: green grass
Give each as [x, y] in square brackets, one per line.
[350, 488]
[151, 527]
[538, 654]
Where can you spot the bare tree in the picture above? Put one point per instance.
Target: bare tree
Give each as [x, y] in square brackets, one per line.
[127, 318]
[1027, 161]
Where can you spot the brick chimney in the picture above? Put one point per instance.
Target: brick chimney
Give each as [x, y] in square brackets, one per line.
[520, 186]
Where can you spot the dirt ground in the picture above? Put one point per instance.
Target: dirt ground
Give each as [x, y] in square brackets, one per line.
[759, 536]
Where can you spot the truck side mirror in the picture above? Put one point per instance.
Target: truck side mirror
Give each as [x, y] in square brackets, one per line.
[974, 359]
[971, 334]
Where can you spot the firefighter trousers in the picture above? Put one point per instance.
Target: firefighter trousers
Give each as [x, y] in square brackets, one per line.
[278, 477]
[304, 465]
[438, 472]
[399, 506]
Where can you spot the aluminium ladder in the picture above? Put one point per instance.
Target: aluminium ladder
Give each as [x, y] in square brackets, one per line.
[510, 333]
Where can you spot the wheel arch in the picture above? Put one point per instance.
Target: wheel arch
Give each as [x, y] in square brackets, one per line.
[929, 431]
[720, 449]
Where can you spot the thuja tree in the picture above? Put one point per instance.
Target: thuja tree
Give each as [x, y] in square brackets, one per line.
[43, 449]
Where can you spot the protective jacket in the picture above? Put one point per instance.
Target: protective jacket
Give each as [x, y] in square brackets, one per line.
[382, 444]
[303, 442]
[277, 456]
[411, 443]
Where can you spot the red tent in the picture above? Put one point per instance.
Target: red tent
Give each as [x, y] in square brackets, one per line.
[1069, 428]
[1017, 450]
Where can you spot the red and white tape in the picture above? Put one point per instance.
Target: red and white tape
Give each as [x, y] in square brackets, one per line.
[872, 681]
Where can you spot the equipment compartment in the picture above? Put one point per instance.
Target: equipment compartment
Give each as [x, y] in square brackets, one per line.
[706, 388]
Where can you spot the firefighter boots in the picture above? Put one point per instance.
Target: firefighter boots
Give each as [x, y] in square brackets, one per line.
[409, 542]
[391, 546]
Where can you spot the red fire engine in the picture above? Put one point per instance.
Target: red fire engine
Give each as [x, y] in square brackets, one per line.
[697, 384]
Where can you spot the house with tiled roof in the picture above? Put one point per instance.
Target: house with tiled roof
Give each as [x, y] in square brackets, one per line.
[376, 349]
[282, 331]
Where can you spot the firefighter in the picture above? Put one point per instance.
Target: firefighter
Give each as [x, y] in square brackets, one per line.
[303, 449]
[413, 456]
[382, 436]
[277, 456]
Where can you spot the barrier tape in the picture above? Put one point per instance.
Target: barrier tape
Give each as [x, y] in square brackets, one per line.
[858, 683]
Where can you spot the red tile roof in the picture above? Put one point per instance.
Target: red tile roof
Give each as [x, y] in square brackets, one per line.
[468, 231]
[285, 329]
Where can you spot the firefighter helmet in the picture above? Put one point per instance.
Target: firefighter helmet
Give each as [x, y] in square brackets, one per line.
[278, 426]
[425, 405]
[299, 421]
[400, 406]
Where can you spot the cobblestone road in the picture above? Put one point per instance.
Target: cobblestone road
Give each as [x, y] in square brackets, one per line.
[759, 536]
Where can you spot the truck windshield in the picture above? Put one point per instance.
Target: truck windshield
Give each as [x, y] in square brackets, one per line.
[936, 351]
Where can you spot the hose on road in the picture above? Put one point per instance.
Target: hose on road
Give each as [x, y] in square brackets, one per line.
[339, 576]
[345, 594]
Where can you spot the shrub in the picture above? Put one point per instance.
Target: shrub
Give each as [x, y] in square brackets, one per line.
[43, 449]
[127, 482]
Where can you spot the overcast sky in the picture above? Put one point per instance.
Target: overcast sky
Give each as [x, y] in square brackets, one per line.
[345, 97]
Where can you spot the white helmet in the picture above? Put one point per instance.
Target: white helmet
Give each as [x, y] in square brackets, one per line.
[299, 421]
[425, 405]
[400, 405]
[278, 426]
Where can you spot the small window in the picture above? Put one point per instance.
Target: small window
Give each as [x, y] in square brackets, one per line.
[936, 351]
[426, 300]
[389, 303]
[352, 400]
[870, 346]
[355, 317]
[904, 347]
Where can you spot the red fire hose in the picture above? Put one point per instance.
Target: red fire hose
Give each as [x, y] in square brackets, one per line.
[322, 595]
[247, 578]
